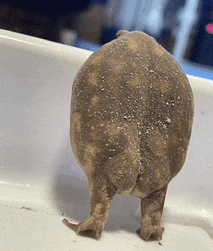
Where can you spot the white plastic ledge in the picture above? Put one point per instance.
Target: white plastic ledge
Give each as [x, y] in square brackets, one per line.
[40, 179]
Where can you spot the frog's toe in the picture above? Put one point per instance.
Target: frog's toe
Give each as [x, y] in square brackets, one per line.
[71, 225]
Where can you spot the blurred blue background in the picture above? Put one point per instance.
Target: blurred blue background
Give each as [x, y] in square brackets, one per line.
[183, 27]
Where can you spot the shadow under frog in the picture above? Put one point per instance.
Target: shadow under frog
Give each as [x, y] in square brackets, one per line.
[131, 121]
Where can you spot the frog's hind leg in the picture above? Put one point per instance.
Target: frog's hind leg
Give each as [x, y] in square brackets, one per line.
[151, 212]
[102, 194]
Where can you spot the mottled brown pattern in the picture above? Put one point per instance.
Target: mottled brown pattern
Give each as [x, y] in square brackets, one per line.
[159, 51]
[131, 121]
[132, 44]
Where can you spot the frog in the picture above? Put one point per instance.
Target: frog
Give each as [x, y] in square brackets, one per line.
[132, 110]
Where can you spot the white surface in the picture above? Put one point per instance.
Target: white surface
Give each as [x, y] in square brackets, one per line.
[40, 179]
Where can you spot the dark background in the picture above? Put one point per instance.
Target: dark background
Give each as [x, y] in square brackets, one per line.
[87, 26]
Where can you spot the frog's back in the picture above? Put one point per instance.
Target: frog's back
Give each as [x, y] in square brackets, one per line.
[131, 96]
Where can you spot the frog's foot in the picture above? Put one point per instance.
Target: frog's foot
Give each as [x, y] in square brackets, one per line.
[151, 232]
[89, 228]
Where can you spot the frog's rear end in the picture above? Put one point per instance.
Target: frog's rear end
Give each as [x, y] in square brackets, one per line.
[131, 120]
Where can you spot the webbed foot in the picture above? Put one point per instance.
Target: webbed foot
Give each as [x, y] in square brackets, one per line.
[87, 228]
[151, 232]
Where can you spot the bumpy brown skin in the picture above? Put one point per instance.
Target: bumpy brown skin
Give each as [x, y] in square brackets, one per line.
[131, 121]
